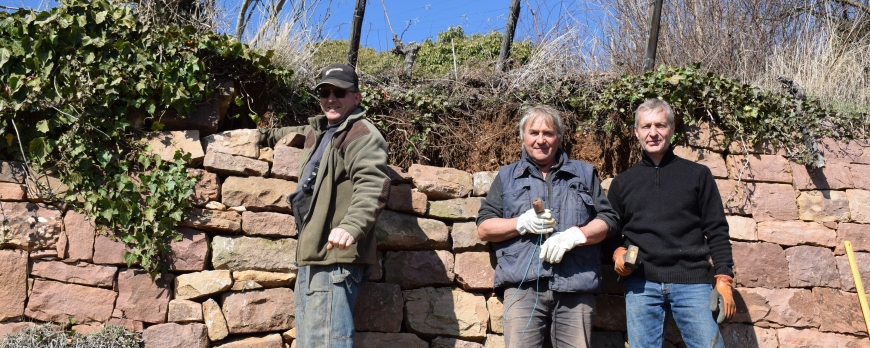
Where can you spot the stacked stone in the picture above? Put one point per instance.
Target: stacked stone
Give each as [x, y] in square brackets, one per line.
[232, 275]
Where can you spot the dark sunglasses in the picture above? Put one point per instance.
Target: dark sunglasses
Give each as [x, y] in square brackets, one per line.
[324, 93]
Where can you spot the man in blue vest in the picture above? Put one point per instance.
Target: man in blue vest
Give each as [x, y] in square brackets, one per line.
[548, 263]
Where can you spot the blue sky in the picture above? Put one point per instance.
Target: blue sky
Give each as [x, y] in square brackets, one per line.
[423, 18]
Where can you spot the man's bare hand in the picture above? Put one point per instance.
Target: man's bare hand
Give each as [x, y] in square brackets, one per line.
[340, 238]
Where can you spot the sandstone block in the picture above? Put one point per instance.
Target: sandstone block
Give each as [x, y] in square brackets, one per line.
[13, 288]
[268, 341]
[54, 301]
[465, 238]
[378, 268]
[406, 200]
[494, 341]
[259, 310]
[759, 265]
[257, 194]
[791, 307]
[132, 325]
[253, 253]
[838, 312]
[379, 308]
[810, 266]
[766, 168]
[448, 342]
[859, 205]
[13, 328]
[12, 171]
[441, 183]
[29, 226]
[610, 313]
[705, 135]
[495, 307]
[182, 311]
[240, 142]
[50, 186]
[165, 144]
[796, 233]
[214, 320]
[481, 182]
[109, 250]
[267, 154]
[268, 224]
[808, 338]
[263, 279]
[858, 234]
[846, 281]
[80, 273]
[140, 298]
[213, 220]
[12, 192]
[735, 196]
[860, 174]
[474, 271]
[414, 269]
[763, 148]
[207, 188]
[388, 340]
[80, 232]
[398, 175]
[442, 311]
[460, 209]
[287, 163]
[742, 228]
[772, 202]
[190, 253]
[823, 206]
[752, 306]
[202, 284]
[172, 335]
[742, 335]
[226, 164]
[711, 159]
[46, 254]
[834, 176]
[401, 231]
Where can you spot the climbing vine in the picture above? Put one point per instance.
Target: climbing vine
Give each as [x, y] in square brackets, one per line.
[70, 80]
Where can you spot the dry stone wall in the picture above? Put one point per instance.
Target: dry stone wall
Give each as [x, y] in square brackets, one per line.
[233, 273]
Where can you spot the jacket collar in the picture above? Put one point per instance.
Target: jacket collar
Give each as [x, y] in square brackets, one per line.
[320, 123]
[527, 164]
[666, 159]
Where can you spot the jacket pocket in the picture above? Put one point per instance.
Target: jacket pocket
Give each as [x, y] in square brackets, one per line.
[517, 262]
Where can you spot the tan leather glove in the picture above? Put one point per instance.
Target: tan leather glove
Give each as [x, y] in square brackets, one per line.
[619, 263]
[722, 298]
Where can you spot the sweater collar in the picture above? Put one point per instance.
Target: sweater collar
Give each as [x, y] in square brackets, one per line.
[666, 159]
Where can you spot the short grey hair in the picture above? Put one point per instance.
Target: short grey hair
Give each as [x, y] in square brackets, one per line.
[654, 104]
[548, 113]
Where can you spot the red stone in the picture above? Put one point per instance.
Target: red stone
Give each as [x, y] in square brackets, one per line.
[379, 308]
[772, 202]
[57, 302]
[13, 287]
[80, 232]
[191, 253]
[141, 299]
[759, 265]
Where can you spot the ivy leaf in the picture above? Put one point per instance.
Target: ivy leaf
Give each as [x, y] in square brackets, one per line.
[39, 148]
[5, 54]
[675, 79]
[149, 214]
[101, 17]
[42, 126]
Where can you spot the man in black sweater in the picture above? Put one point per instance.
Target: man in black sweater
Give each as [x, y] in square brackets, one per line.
[671, 210]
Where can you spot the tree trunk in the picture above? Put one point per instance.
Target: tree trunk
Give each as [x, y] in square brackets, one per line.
[356, 27]
[506, 41]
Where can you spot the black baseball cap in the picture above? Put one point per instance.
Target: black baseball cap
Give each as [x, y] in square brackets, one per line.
[339, 75]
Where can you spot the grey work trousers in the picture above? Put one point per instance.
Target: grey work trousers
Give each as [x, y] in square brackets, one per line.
[533, 310]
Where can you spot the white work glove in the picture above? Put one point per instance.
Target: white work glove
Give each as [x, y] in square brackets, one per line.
[536, 223]
[560, 242]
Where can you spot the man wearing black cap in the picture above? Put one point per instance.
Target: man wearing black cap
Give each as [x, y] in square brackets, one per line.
[342, 188]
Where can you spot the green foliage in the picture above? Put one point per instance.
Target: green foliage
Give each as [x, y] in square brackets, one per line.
[745, 113]
[50, 336]
[435, 58]
[475, 52]
[70, 77]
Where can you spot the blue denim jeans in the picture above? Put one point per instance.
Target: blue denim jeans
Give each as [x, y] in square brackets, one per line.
[531, 314]
[646, 303]
[324, 300]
